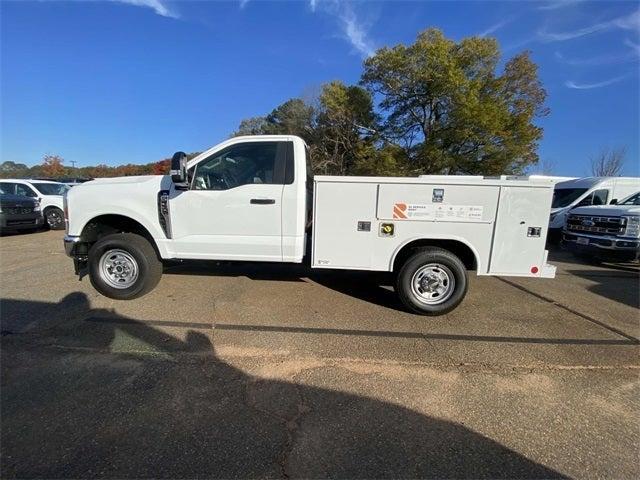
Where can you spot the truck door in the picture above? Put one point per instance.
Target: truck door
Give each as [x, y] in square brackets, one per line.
[233, 208]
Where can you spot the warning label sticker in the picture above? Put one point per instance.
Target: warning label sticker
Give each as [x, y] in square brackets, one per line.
[440, 211]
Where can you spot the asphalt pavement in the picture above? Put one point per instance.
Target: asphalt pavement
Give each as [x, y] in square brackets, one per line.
[254, 370]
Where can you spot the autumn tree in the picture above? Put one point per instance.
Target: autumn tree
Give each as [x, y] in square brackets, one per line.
[162, 167]
[52, 166]
[608, 163]
[449, 109]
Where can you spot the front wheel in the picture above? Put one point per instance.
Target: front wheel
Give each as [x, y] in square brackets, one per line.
[124, 266]
[54, 218]
[432, 281]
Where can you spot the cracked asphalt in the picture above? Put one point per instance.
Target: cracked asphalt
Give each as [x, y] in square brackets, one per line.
[267, 371]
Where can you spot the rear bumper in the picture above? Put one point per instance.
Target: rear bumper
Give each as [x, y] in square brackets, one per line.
[547, 270]
[15, 221]
[602, 246]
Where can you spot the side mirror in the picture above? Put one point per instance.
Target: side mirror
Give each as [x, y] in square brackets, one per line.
[179, 170]
[614, 201]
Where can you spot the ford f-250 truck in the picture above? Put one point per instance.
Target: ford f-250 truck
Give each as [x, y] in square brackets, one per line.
[254, 199]
[606, 232]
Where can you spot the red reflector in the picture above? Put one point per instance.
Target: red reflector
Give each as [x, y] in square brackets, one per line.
[534, 269]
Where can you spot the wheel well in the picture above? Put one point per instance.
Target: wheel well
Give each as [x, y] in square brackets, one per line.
[107, 224]
[458, 248]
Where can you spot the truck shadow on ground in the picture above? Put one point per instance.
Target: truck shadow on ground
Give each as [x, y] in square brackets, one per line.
[620, 286]
[372, 287]
[119, 398]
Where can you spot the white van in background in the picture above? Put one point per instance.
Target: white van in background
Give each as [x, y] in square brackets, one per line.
[587, 191]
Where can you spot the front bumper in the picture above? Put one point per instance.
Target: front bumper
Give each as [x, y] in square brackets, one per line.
[70, 244]
[606, 246]
[77, 249]
[20, 221]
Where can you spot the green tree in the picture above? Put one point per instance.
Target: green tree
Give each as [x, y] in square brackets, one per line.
[452, 113]
[9, 169]
[293, 117]
[345, 130]
[252, 126]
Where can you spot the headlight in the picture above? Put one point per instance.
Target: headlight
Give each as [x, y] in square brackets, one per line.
[37, 208]
[633, 226]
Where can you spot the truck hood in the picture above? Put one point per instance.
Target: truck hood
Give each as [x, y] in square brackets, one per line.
[7, 200]
[607, 210]
[120, 180]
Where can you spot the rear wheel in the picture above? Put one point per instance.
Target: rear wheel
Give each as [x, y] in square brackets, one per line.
[432, 281]
[124, 266]
[54, 218]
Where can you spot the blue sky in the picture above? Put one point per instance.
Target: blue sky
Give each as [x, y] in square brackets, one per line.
[125, 81]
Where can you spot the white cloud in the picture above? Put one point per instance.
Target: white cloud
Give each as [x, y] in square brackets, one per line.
[626, 22]
[601, 59]
[558, 4]
[158, 6]
[354, 30]
[243, 3]
[634, 46]
[356, 33]
[588, 86]
[495, 27]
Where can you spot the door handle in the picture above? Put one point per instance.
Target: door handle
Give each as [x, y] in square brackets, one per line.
[262, 201]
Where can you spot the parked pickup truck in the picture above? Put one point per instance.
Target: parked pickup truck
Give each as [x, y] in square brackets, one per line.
[254, 199]
[607, 232]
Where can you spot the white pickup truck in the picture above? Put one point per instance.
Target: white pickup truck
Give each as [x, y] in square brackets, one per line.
[606, 232]
[254, 199]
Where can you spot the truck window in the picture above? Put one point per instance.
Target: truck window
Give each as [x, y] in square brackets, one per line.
[51, 188]
[309, 168]
[7, 188]
[600, 197]
[563, 197]
[24, 191]
[632, 200]
[241, 164]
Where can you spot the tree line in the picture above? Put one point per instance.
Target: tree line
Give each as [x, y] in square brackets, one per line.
[437, 106]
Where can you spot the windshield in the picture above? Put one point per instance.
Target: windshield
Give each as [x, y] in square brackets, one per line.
[566, 196]
[51, 188]
[632, 200]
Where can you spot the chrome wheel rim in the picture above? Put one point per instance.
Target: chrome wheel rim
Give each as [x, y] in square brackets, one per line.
[433, 284]
[118, 268]
[54, 218]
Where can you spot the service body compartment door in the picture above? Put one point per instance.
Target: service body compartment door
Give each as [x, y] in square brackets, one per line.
[520, 231]
[344, 224]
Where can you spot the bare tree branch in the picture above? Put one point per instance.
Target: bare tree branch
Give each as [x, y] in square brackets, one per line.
[609, 162]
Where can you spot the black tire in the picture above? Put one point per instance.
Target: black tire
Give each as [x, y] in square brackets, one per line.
[147, 265]
[54, 218]
[442, 263]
